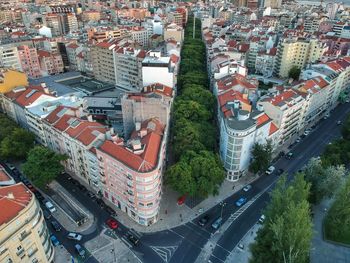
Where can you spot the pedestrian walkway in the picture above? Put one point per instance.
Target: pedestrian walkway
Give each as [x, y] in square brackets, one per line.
[62, 255]
[172, 215]
[323, 251]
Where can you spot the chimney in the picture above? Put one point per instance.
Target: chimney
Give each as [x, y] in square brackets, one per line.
[89, 117]
[10, 196]
[43, 85]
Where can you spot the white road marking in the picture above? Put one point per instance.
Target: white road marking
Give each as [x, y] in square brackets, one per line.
[166, 252]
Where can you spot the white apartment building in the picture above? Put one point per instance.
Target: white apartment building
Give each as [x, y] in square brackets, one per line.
[9, 57]
[265, 62]
[287, 110]
[141, 35]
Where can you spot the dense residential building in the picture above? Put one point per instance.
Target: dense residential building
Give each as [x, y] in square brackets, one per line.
[29, 59]
[9, 57]
[24, 236]
[297, 52]
[50, 62]
[174, 31]
[265, 62]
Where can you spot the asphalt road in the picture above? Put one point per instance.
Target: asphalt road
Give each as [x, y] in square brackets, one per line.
[183, 244]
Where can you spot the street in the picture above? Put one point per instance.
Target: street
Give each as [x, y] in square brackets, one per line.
[184, 243]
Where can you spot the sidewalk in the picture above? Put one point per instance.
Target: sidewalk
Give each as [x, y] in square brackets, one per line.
[321, 250]
[172, 215]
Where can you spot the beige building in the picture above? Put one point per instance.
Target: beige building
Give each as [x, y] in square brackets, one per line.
[175, 32]
[91, 15]
[286, 109]
[24, 236]
[297, 52]
[102, 60]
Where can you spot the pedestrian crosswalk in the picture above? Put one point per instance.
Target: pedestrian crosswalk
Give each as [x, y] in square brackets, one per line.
[165, 253]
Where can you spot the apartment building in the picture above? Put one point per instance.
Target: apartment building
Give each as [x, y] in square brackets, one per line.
[176, 18]
[256, 45]
[158, 69]
[128, 59]
[241, 124]
[90, 15]
[9, 57]
[103, 60]
[24, 236]
[297, 52]
[286, 109]
[140, 35]
[103, 33]
[174, 31]
[132, 171]
[50, 63]
[154, 101]
[29, 59]
[61, 23]
[265, 62]
[73, 50]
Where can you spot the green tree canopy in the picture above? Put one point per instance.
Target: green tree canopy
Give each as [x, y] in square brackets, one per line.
[287, 231]
[324, 181]
[191, 110]
[6, 126]
[294, 73]
[202, 96]
[17, 144]
[261, 157]
[43, 165]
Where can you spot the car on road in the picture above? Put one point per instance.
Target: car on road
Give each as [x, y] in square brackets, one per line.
[270, 170]
[100, 203]
[241, 246]
[204, 220]
[82, 188]
[112, 223]
[347, 100]
[298, 140]
[39, 196]
[280, 171]
[262, 219]
[31, 188]
[326, 116]
[306, 133]
[134, 240]
[217, 223]
[338, 122]
[247, 188]
[111, 211]
[181, 200]
[241, 201]
[50, 206]
[289, 155]
[91, 195]
[54, 240]
[74, 236]
[80, 250]
[56, 226]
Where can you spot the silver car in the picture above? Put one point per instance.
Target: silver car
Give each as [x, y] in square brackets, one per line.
[74, 236]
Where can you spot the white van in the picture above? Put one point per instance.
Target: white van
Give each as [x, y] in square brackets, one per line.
[50, 206]
[270, 170]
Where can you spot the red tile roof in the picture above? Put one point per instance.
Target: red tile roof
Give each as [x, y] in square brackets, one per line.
[283, 97]
[148, 159]
[231, 81]
[4, 175]
[13, 199]
[159, 88]
[273, 128]
[30, 95]
[262, 119]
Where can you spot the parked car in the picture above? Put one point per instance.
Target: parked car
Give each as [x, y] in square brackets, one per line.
[56, 226]
[54, 240]
[39, 196]
[80, 250]
[100, 203]
[289, 155]
[270, 170]
[347, 100]
[47, 214]
[247, 188]
[112, 223]
[50, 206]
[217, 223]
[306, 133]
[91, 195]
[31, 188]
[280, 171]
[82, 188]
[262, 219]
[204, 220]
[181, 200]
[134, 240]
[241, 201]
[298, 140]
[338, 122]
[326, 116]
[74, 236]
[11, 166]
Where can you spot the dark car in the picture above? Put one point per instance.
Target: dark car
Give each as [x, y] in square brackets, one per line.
[82, 188]
[134, 240]
[47, 214]
[100, 203]
[203, 221]
[39, 196]
[289, 155]
[280, 171]
[56, 226]
[110, 211]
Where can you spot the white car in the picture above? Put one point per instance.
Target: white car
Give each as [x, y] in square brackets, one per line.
[262, 219]
[74, 236]
[270, 170]
[50, 206]
[247, 188]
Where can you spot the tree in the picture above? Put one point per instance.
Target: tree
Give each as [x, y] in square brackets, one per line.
[17, 144]
[43, 165]
[337, 222]
[294, 73]
[324, 181]
[191, 110]
[6, 126]
[336, 153]
[345, 131]
[179, 177]
[287, 231]
[261, 157]
[199, 94]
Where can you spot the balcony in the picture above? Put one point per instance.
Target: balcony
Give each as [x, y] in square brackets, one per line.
[24, 235]
[20, 252]
[32, 252]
